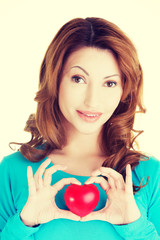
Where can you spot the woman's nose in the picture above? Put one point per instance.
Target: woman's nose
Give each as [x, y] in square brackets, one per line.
[91, 97]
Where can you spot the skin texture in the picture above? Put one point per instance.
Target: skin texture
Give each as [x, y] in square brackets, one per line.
[90, 90]
[91, 81]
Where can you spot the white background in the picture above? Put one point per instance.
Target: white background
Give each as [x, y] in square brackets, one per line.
[26, 29]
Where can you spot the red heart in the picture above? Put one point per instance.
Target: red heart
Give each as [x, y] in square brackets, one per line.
[81, 199]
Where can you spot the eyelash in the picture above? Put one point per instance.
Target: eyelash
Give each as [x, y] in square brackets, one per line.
[75, 78]
[111, 82]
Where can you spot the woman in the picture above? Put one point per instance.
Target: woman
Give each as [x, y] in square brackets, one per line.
[82, 133]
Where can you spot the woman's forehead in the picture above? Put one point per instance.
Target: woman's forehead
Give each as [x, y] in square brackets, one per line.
[91, 58]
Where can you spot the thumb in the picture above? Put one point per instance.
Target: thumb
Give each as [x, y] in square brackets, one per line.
[90, 216]
[67, 214]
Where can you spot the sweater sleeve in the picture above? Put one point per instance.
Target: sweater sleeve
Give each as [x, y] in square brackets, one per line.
[11, 226]
[142, 229]
[146, 227]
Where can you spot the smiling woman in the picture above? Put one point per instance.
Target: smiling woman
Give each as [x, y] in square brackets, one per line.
[90, 88]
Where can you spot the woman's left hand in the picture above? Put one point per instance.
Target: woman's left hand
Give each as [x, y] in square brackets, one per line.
[120, 207]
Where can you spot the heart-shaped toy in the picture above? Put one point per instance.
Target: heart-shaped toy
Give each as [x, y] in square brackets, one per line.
[81, 199]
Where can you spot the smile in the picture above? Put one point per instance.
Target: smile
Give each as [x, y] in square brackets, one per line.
[89, 116]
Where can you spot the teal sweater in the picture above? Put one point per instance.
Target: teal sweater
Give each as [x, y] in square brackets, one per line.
[14, 194]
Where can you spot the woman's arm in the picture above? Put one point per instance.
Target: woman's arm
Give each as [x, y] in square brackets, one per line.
[148, 227]
[40, 206]
[11, 226]
[142, 229]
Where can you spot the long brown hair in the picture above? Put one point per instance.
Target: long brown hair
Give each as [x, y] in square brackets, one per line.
[46, 126]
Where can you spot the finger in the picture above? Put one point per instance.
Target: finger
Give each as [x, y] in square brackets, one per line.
[107, 203]
[119, 185]
[31, 182]
[39, 173]
[111, 182]
[47, 178]
[128, 186]
[113, 173]
[116, 176]
[100, 180]
[65, 181]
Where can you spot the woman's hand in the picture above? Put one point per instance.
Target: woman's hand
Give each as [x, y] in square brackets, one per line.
[41, 206]
[121, 207]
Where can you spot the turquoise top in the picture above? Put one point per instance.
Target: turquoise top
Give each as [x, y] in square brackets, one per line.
[14, 194]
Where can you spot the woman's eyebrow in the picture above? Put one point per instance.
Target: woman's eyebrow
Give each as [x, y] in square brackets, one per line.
[81, 69]
[113, 75]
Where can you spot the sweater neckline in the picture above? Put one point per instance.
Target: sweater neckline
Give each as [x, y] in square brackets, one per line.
[69, 174]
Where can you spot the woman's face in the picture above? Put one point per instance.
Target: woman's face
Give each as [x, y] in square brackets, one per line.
[90, 89]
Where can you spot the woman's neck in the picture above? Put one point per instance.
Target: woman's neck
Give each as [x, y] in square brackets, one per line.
[79, 144]
[81, 154]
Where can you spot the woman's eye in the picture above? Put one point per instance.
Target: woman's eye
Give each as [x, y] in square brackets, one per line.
[110, 84]
[77, 79]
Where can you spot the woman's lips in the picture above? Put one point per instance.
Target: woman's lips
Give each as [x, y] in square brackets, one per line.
[89, 116]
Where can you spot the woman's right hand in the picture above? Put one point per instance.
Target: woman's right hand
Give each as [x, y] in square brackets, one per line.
[41, 206]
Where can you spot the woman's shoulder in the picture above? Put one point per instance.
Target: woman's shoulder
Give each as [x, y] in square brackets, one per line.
[148, 168]
[150, 165]
[17, 160]
[14, 159]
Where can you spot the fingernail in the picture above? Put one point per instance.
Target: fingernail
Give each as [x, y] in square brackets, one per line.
[87, 183]
[128, 166]
[78, 183]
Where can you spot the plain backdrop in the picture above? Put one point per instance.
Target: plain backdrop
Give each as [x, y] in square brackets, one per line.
[26, 29]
